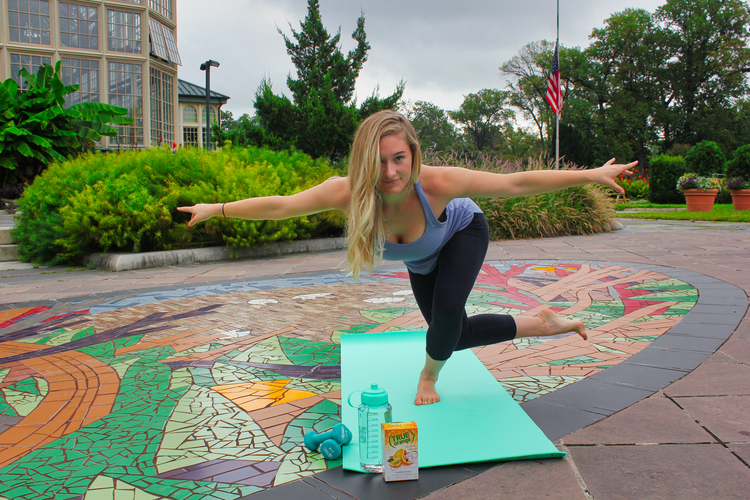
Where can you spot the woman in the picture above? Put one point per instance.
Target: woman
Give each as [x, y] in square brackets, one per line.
[401, 210]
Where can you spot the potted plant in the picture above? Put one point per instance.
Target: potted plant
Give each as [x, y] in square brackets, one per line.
[700, 192]
[738, 178]
[740, 189]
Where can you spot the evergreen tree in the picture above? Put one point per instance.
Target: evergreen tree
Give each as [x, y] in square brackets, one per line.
[322, 115]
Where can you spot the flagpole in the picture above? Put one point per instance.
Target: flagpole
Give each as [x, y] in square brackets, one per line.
[557, 115]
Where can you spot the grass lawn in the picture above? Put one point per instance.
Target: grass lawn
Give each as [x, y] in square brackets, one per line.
[724, 213]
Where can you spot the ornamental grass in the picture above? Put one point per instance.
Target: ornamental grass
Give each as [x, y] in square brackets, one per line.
[578, 210]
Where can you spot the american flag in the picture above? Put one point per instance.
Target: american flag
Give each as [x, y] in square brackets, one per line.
[554, 92]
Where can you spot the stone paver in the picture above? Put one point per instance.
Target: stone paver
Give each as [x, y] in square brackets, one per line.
[522, 480]
[651, 421]
[725, 416]
[666, 472]
[713, 379]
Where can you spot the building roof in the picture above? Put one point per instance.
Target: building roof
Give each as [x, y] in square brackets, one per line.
[190, 92]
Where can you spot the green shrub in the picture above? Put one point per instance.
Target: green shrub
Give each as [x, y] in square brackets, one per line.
[127, 201]
[724, 196]
[705, 159]
[739, 166]
[634, 188]
[663, 175]
[578, 210]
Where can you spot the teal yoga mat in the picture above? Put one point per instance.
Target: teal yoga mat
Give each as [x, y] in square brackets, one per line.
[475, 421]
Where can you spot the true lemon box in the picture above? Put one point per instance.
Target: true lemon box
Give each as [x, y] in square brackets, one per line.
[400, 455]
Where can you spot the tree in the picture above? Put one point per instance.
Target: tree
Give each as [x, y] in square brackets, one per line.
[37, 128]
[622, 70]
[484, 116]
[706, 72]
[645, 83]
[244, 131]
[527, 74]
[433, 126]
[322, 115]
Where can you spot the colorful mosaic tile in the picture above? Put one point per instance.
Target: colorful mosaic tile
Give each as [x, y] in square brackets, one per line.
[207, 392]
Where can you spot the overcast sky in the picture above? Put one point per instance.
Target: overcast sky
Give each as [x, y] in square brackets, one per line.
[442, 49]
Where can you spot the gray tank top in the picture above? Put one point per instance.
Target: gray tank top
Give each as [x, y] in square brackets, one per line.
[421, 256]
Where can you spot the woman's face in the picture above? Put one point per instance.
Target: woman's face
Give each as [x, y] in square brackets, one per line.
[395, 164]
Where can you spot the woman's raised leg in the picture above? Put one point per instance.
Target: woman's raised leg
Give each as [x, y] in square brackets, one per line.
[547, 323]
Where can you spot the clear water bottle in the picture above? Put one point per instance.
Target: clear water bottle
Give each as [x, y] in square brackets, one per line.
[373, 411]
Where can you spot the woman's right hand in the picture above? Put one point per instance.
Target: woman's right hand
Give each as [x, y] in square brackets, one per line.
[201, 212]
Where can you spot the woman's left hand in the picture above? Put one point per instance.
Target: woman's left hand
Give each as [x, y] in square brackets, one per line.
[607, 173]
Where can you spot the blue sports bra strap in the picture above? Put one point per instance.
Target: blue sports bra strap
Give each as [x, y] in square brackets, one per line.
[426, 207]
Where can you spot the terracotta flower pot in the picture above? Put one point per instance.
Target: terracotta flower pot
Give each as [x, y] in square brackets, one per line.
[741, 199]
[699, 200]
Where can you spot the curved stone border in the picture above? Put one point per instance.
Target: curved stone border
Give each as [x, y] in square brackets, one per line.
[147, 260]
[715, 316]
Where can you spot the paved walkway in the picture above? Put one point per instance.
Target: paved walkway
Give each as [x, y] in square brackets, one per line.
[690, 440]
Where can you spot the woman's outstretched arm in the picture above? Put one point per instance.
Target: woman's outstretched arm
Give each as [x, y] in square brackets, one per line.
[460, 182]
[332, 194]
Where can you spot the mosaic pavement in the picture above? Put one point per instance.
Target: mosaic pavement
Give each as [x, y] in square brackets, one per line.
[206, 392]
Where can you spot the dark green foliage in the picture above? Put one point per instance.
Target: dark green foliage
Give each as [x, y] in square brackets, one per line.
[723, 197]
[678, 150]
[739, 166]
[705, 69]
[576, 145]
[322, 117]
[483, 116]
[663, 175]
[433, 127]
[705, 159]
[36, 129]
[244, 131]
[127, 201]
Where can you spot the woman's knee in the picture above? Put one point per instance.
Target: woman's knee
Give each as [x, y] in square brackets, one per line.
[448, 313]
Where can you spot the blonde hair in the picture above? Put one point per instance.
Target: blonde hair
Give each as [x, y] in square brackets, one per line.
[366, 229]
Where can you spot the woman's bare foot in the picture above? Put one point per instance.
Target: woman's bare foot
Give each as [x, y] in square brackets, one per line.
[556, 324]
[426, 393]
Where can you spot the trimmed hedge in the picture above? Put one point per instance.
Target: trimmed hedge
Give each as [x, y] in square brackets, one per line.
[664, 173]
[127, 202]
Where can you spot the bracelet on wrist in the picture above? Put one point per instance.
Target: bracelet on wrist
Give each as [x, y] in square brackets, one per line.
[222, 210]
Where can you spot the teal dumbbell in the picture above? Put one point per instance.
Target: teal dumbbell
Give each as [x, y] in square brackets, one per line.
[330, 442]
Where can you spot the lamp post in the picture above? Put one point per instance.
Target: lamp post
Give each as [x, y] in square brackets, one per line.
[206, 66]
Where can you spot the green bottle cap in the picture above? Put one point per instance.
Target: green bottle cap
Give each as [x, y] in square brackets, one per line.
[374, 396]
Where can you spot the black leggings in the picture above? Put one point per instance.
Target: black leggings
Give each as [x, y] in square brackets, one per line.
[442, 294]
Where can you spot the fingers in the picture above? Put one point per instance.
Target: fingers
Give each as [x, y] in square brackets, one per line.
[628, 165]
[194, 214]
